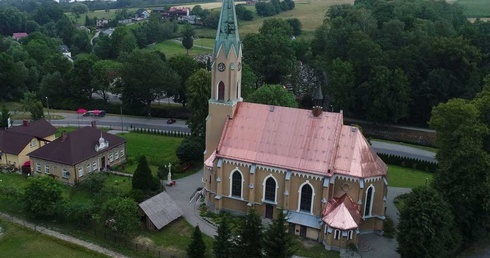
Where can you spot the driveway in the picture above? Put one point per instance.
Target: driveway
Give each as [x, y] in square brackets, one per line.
[374, 246]
[182, 192]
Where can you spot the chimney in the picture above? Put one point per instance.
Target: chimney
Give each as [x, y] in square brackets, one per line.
[25, 122]
[63, 136]
[93, 124]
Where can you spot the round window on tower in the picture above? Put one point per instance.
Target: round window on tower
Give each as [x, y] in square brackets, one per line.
[221, 67]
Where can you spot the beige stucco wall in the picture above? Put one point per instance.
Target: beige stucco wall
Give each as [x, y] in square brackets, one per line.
[55, 169]
[21, 158]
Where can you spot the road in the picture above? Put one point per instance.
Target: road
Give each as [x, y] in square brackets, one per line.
[402, 150]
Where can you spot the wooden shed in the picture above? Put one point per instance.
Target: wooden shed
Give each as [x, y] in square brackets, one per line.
[160, 210]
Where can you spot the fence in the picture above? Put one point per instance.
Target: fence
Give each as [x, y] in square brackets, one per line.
[160, 132]
[147, 249]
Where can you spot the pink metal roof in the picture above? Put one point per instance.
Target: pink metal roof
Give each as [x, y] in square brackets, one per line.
[342, 213]
[209, 161]
[355, 157]
[288, 138]
[18, 35]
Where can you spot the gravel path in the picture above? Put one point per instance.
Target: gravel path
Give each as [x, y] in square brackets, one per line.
[61, 236]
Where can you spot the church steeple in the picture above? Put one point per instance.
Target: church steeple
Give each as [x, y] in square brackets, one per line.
[227, 34]
[227, 57]
[226, 76]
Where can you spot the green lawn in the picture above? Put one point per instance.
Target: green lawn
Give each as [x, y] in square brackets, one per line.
[314, 249]
[157, 148]
[407, 177]
[475, 8]
[19, 241]
[97, 13]
[172, 48]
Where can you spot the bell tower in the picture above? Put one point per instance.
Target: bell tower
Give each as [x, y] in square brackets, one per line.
[226, 75]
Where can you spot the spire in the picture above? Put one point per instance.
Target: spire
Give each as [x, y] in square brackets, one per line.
[227, 34]
[318, 97]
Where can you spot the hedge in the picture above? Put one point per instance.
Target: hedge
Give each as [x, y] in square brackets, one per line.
[419, 164]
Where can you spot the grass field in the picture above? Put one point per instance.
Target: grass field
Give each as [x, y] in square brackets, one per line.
[407, 177]
[18, 241]
[98, 13]
[475, 8]
[172, 48]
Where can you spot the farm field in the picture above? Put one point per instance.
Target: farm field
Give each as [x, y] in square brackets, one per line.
[475, 8]
[172, 48]
[97, 13]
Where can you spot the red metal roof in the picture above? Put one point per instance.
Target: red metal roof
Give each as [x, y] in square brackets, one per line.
[355, 157]
[291, 138]
[288, 138]
[342, 213]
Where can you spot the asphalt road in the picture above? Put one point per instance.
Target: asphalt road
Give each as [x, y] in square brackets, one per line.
[402, 150]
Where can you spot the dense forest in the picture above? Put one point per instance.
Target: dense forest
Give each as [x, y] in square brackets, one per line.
[384, 61]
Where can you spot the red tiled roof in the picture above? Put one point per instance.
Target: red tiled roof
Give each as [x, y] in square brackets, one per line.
[18, 35]
[342, 213]
[282, 137]
[355, 157]
[78, 146]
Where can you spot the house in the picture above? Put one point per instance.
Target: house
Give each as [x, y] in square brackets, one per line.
[108, 32]
[192, 19]
[19, 35]
[307, 163]
[17, 142]
[78, 153]
[102, 22]
[65, 50]
[141, 13]
[160, 210]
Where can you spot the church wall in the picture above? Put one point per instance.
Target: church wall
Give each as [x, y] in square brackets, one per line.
[261, 175]
[226, 183]
[215, 124]
[350, 187]
[378, 208]
[294, 193]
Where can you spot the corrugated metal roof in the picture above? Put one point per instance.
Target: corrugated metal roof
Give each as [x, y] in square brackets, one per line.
[304, 219]
[210, 160]
[161, 209]
[288, 138]
[342, 213]
[355, 157]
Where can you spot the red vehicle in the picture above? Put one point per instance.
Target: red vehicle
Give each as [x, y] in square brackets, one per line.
[170, 121]
[99, 113]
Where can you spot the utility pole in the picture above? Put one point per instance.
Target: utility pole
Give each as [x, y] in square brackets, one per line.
[122, 125]
[47, 105]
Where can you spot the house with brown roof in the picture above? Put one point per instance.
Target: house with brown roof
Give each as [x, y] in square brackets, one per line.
[323, 174]
[17, 142]
[72, 156]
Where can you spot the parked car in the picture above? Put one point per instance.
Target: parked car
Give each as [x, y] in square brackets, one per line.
[170, 121]
[99, 113]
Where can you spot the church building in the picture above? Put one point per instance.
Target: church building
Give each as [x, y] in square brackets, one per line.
[323, 174]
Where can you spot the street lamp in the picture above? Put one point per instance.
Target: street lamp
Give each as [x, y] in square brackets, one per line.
[47, 105]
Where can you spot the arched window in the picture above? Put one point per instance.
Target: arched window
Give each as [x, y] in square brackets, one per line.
[306, 197]
[368, 205]
[270, 189]
[221, 91]
[236, 184]
[238, 90]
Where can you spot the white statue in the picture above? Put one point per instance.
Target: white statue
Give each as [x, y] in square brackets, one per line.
[169, 176]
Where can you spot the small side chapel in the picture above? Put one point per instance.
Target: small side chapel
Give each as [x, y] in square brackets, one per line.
[321, 173]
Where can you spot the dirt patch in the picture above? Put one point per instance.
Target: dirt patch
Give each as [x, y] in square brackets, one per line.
[308, 243]
[140, 240]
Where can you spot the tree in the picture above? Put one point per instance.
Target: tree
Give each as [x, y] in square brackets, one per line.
[296, 25]
[4, 116]
[273, 95]
[198, 95]
[464, 161]
[146, 77]
[250, 235]
[11, 20]
[185, 66]
[104, 73]
[121, 215]
[191, 149]
[270, 53]
[188, 36]
[80, 77]
[277, 241]
[142, 177]
[341, 84]
[223, 241]
[426, 226]
[31, 104]
[79, 8]
[197, 247]
[42, 196]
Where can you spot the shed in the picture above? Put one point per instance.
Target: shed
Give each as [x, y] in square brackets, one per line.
[160, 210]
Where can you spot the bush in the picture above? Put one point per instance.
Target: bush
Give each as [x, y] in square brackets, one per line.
[10, 192]
[408, 162]
[42, 197]
[389, 228]
[191, 150]
[79, 213]
[94, 182]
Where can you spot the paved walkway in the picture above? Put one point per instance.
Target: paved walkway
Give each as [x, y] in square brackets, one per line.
[182, 192]
[61, 236]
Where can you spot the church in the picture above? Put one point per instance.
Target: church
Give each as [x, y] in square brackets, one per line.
[323, 174]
